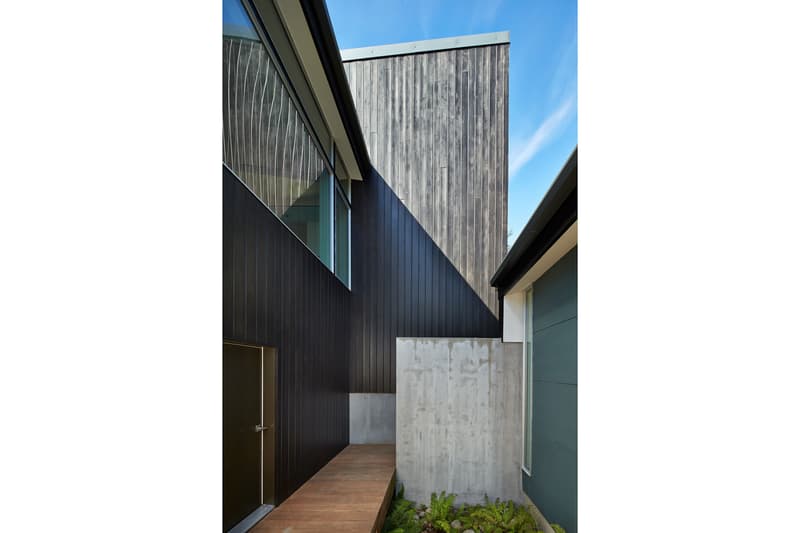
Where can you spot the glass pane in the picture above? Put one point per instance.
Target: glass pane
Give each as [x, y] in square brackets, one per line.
[307, 218]
[528, 379]
[341, 174]
[236, 21]
[342, 239]
[346, 188]
[265, 141]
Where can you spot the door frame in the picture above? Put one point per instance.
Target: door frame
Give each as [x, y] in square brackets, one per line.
[264, 508]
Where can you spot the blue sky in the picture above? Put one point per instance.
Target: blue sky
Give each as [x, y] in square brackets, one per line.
[543, 118]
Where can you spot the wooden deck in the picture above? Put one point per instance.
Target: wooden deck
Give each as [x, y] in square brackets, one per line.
[350, 494]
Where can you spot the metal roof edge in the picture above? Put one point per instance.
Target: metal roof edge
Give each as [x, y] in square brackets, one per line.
[565, 182]
[430, 45]
[321, 28]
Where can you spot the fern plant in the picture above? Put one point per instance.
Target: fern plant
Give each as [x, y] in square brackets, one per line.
[491, 517]
[441, 509]
[497, 516]
[402, 516]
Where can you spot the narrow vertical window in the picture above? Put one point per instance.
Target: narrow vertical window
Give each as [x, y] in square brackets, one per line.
[528, 384]
[341, 221]
[341, 237]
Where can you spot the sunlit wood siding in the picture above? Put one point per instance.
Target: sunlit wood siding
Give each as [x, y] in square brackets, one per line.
[436, 126]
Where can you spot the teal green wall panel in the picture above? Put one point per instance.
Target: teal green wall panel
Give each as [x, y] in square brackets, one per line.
[554, 428]
[554, 350]
[553, 482]
[555, 294]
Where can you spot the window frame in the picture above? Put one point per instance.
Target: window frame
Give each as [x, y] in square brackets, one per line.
[255, 20]
[329, 156]
[526, 463]
[339, 190]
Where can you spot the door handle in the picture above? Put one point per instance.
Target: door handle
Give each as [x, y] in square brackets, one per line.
[259, 427]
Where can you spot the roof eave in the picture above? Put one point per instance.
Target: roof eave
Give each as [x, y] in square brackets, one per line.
[319, 23]
[553, 204]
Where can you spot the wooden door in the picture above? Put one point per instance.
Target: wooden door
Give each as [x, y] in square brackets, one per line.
[241, 436]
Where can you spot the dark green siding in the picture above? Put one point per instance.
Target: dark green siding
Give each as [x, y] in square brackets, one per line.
[553, 484]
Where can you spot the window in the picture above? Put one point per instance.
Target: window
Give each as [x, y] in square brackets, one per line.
[307, 219]
[268, 143]
[527, 408]
[342, 236]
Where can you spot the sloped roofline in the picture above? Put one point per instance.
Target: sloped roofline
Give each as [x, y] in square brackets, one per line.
[429, 45]
[321, 28]
[554, 215]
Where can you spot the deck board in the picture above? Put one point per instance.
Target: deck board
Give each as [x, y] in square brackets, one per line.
[350, 494]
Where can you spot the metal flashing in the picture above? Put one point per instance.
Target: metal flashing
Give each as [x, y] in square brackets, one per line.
[319, 24]
[430, 45]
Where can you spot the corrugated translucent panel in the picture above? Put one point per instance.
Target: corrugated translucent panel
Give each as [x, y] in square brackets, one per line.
[265, 141]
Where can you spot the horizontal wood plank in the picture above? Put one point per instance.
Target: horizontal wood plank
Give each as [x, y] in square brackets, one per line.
[350, 494]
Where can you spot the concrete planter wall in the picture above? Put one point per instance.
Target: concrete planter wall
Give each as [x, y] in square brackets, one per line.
[459, 418]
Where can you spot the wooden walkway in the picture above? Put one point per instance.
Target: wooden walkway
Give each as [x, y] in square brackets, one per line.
[350, 494]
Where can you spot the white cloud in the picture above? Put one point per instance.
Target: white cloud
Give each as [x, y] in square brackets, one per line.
[564, 77]
[526, 150]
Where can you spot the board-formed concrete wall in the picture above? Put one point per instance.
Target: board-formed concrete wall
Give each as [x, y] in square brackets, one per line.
[372, 418]
[459, 418]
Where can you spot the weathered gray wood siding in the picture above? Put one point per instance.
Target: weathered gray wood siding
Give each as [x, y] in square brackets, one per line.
[436, 126]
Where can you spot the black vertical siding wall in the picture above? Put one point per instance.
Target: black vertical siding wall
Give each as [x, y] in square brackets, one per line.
[277, 293]
[402, 286]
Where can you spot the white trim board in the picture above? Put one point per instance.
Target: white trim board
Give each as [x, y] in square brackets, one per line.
[294, 20]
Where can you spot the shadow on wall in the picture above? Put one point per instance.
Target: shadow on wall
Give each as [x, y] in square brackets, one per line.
[403, 285]
[275, 292]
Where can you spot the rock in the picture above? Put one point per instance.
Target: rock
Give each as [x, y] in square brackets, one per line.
[456, 524]
[469, 531]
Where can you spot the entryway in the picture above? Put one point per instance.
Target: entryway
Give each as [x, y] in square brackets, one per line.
[248, 434]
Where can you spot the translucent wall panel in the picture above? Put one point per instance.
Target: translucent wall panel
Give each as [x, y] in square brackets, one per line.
[265, 141]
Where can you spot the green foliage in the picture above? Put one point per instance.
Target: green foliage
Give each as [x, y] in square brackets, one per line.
[498, 517]
[558, 529]
[441, 510]
[491, 517]
[402, 516]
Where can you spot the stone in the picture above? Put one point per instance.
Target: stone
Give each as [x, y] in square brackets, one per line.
[456, 524]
